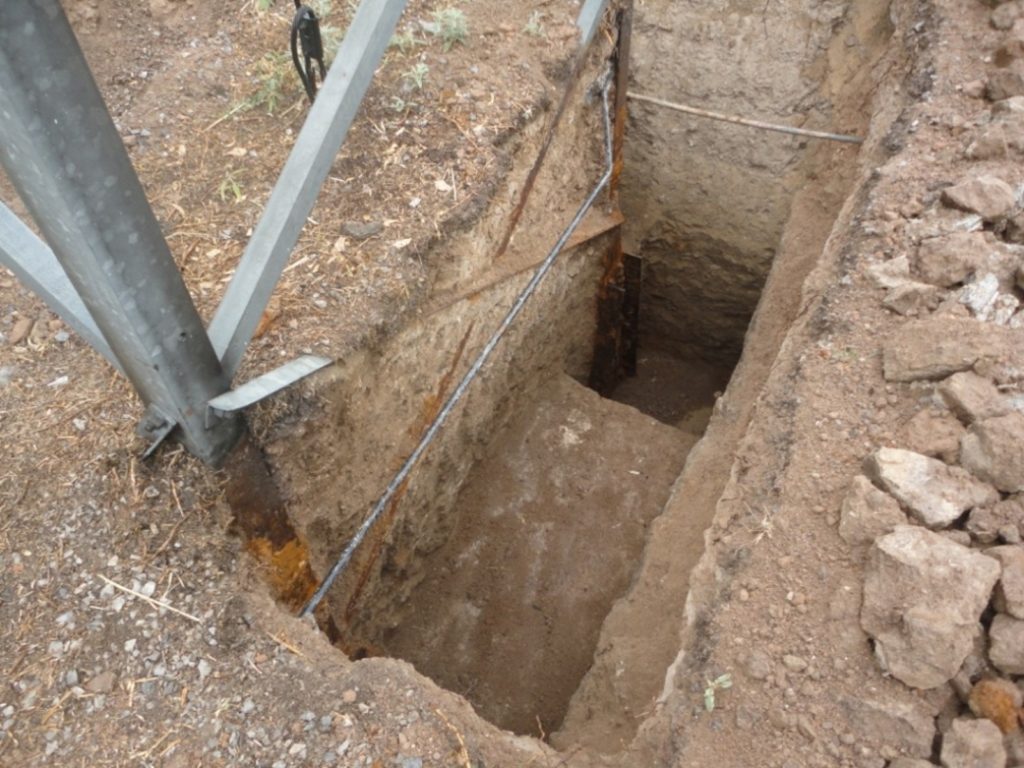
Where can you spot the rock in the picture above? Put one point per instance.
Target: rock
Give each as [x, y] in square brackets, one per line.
[934, 434]
[1006, 644]
[906, 727]
[934, 492]
[868, 513]
[972, 397]
[923, 596]
[1006, 14]
[361, 230]
[997, 700]
[891, 273]
[988, 196]
[759, 665]
[1009, 597]
[1002, 138]
[936, 347]
[988, 524]
[946, 261]
[973, 744]
[1011, 50]
[912, 298]
[102, 683]
[980, 295]
[1006, 82]
[22, 328]
[993, 450]
[910, 762]
[794, 663]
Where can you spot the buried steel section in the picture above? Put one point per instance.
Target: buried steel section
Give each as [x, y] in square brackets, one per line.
[400, 478]
[63, 153]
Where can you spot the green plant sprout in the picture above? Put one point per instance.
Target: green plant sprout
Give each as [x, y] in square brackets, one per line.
[720, 683]
[405, 41]
[229, 187]
[416, 76]
[534, 25]
[451, 26]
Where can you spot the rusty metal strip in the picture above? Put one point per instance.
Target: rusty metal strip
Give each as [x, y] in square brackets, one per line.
[607, 366]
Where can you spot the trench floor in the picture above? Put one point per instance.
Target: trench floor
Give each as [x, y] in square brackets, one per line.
[550, 530]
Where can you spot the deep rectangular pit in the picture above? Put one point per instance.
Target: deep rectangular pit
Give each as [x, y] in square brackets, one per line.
[495, 568]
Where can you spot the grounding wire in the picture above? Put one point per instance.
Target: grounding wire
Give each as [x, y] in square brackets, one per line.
[435, 426]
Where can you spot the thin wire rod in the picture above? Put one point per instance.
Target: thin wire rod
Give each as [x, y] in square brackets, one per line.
[744, 121]
[428, 437]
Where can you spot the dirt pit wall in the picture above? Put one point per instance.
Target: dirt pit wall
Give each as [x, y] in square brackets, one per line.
[706, 202]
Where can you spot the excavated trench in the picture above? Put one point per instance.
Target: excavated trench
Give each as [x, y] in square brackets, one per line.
[537, 560]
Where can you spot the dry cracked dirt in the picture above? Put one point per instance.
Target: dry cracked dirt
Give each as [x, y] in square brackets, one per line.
[807, 553]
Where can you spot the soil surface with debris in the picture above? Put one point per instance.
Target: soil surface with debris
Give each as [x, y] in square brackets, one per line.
[861, 598]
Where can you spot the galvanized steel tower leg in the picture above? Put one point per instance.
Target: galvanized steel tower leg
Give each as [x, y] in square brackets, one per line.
[61, 150]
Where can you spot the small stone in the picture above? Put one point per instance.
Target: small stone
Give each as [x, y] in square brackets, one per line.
[204, 669]
[948, 260]
[912, 298]
[994, 451]
[990, 524]
[349, 696]
[907, 726]
[868, 513]
[923, 598]
[759, 665]
[1009, 596]
[891, 273]
[935, 493]
[972, 397]
[794, 663]
[997, 700]
[973, 744]
[1006, 649]
[102, 683]
[1005, 83]
[988, 196]
[934, 434]
[359, 230]
[22, 328]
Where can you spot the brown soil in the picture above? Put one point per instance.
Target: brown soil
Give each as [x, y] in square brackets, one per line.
[550, 526]
[742, 572]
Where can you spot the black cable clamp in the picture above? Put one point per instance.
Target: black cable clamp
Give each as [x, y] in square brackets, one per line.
[306, 32]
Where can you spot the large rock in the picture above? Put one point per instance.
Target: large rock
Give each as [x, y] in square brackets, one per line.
[868, 513]
[973, 397]
[973, 743]
[935, 347]
[1010, 590]
[993, 450]
[934, 492]
[1006, 649]
[923, 596]
[906, 727]
[988, 196]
